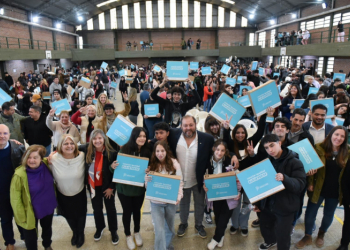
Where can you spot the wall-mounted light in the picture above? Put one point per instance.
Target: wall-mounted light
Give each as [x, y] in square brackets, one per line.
[1, 11]
[58, 25]
[80, 18]
[324, 5]
[35, 19]
[272, 21]
[251, 16]
[294, 15]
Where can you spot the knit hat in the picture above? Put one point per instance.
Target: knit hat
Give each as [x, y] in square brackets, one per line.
[35, 97]
[108, 106]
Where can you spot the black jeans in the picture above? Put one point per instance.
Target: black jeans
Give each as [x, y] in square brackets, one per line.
[276, 228]
[77, 225]
[131, 206]
[97, 206]
[6, 217]
[345, 240]
[31, 236]
[222, 216]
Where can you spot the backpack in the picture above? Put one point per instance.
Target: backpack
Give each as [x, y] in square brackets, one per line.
[176, 116]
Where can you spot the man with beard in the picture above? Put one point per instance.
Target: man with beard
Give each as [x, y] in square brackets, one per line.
[297, 133]
[192, 148]
[317, 127]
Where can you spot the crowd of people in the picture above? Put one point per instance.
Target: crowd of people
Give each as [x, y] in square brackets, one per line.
[69, 154]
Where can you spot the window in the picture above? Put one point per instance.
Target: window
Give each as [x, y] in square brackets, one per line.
[149, 17]
[319, 23]
[101, 21]
[79, 27]
[270, 60]
[298, 61]
[232, 19]
[283, 61]
[272, 38]
[209, 15]
[125, 11]
[320, 65]
[113, 14]
[185, 13]
[137, 15]
[262, 37]
[80, 42]
[302, 26]
[327, 21]
[172, 13]
[310, 25]
[244, 22]
[346, 18]
[160, 13]
[336, 19]
[90, 24]
[251, 39]
[221, 17]
[197, 14]
[330, 64]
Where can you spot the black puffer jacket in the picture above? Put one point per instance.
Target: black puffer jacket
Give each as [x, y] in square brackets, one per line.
[287, 201]
[17, 152]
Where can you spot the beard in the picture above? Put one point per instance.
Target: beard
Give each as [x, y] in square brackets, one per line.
[189, 133]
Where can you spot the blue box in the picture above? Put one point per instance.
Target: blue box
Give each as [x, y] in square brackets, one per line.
[221, 186]
[328, 102]
[104, 65]
[259, 181]
[122, 72]
[132, 66]
[163, 187]
[4, 97]
[85, 82]
[177, 70]
[307, 154]
[241, 87]
[151, 110]
[254, 65]
[113, 85]
[263, 97]
[339, 121]
[298, 103]
[312, 90]
[341, 76]
[61, 105]
[231, 81]
[206, 71]
[131, 170]
[244, 101]
[239, 79]
[194, 65]
[276, 74]
[261, 71]
[225, 105]
[120, 130]
[157, 68]
[225, 69]
[269, 119]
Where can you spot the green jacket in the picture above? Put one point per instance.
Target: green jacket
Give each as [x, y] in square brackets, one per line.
[15, 127]
[317, 180]
[20, 199]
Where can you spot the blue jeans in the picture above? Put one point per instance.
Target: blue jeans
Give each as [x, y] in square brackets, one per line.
[299, 41]
[149, 124]
[48, 150]
[239, 220]
[330, 205]
[207, 104]
[162, 213]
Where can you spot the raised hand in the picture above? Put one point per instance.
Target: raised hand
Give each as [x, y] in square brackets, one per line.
[250, 148]
[52, 112]
[226, 123]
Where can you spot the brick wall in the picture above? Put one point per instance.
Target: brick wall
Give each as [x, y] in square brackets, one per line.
[42, 38]
[137, 36]
[207, 38]
[313, 9]
[228, 37]
[168, 38]
[105, 38]
[19, 66]
[14, 12]
[340, 3]
[65, 39]
[342, 63]
[264, 25]
[13, 31]
[284, 19]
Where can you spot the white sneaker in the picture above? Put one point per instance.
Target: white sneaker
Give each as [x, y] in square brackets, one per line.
[221, 243]
[130, 242]
[212, 244]
[138, 239]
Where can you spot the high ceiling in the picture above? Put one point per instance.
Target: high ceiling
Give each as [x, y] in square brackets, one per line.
[68, 10]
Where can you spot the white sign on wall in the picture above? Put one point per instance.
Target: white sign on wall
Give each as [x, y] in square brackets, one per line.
[283, 51]
[48, 54]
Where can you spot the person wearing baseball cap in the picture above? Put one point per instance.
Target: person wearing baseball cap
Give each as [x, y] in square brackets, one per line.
[36, 100]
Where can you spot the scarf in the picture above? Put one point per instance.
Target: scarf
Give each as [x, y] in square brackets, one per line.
[110, 120]
[92, 173]
[65, 128]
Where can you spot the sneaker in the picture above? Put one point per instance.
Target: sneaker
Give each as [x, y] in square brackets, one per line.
[305, 241]
[244, 232]
[265, 246]
[221, 243]
[98, 234]
[182, 229]
[115, 238]
[208, 219]
[256, 223]
[212, 244]
[202, 233]
[233, 230]
[130, 242]
[138, 239]
[80, 240]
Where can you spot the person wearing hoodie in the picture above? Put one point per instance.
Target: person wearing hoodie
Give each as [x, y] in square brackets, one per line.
[278, 210]
[8, 79]
[327, 80]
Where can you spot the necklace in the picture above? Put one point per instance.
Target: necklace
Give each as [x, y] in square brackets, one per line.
[335, 153]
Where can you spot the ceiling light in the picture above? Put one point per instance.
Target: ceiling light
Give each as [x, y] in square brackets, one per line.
[105, 3]
[1, 11]
[324, 5]
[58, 25]
[251, 16]
[294, 15]
[228, 1]
[35, 19]
[80, 18]
[272, 21]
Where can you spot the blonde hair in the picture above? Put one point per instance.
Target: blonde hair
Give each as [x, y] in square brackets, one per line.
[64, 112]
[99, 106]
[45, 82]
[132, 95]
[34, 148]
[62, 140]
[91, 148]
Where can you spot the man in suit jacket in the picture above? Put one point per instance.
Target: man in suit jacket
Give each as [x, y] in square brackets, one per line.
[193, 150]
[318, 128]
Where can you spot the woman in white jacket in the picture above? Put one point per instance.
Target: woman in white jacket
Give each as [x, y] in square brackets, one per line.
[162, 161]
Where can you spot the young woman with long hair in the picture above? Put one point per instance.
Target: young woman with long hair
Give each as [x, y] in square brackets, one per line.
[324, 185]
[132, 197]
[162, 161]
[134, 112]
[102, 100]
[287, 106]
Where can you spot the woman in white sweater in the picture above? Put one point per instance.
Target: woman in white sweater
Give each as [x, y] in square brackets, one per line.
[68, 169]
[163, 162]
[61, 127]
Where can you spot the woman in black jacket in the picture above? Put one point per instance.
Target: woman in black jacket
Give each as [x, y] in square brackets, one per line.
[99, 155]
[122, 86]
